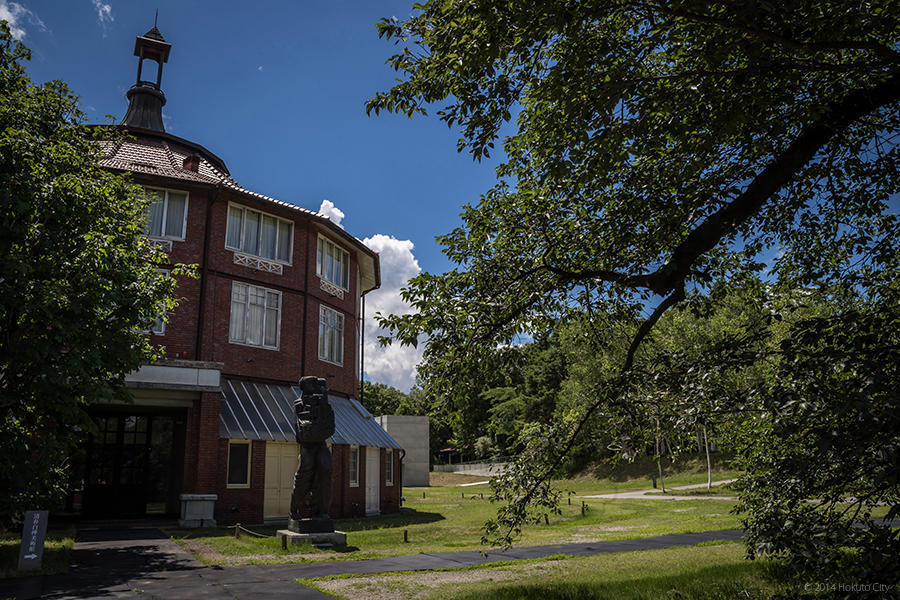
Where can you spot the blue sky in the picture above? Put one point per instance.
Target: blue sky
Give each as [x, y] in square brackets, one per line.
[277, 90]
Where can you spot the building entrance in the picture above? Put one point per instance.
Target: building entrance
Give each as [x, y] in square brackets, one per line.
[134, 464]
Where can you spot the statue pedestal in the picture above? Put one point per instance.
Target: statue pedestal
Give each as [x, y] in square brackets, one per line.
[329, 538]
[323, 524]
[316, 531]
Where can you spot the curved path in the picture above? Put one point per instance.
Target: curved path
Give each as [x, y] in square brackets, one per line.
[658, 495]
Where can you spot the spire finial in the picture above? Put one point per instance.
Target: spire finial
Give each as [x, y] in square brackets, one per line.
[156, 18]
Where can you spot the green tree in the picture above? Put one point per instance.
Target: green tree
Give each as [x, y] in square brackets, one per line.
[77, 282]
[658, 148]
[380, 399]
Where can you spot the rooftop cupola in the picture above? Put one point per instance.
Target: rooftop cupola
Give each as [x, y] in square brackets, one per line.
[145, 98]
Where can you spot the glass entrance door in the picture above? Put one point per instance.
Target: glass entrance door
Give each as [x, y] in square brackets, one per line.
[129, 469]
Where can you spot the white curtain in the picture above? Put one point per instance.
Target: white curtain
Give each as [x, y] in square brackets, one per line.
[155, 216]
[238, 309]
[175, 214]
[285, 233]
[256, 316]
[235, 221]
[267, 237]
[251, 232]
[271, 319]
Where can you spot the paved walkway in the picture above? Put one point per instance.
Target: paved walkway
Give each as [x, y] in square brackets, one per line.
[144, 563]
[658, 495]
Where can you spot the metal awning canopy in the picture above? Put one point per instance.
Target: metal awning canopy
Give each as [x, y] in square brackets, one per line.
[265, 411]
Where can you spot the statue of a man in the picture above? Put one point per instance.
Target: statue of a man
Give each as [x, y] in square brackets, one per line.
[315, 424]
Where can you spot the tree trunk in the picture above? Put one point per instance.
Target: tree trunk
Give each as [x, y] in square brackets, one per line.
[708, 464]
[662, 483]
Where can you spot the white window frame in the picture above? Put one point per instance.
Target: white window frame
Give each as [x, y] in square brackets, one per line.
[388, 466]
[320, 267]
[262, 214]
[325, 358]
[246, 317]
[187, 201]
[249, 445]
[352, 473]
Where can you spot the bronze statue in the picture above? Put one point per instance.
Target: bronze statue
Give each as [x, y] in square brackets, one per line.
[315, 424]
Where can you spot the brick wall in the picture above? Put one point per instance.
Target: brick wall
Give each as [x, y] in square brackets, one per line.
[241, 505]
[205, 307]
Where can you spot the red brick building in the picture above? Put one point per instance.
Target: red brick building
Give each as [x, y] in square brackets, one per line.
[278, 295]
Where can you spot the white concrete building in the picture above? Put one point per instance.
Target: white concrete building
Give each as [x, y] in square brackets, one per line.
[413, 436]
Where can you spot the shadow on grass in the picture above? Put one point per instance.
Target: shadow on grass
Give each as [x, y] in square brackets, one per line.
[401, 519]
[746, 581]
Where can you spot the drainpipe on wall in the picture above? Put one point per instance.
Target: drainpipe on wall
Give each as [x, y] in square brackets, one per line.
[362, 344]
[198, 345]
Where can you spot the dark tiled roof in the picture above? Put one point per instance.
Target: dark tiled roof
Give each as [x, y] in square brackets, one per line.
[164, 158]
[162, 155]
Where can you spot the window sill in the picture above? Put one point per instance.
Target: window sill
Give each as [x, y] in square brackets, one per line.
[354, 485]
[330, 362]
[237, 486]
[275, 348]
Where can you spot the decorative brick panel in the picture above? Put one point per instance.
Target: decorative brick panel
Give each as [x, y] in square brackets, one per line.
[255, 262]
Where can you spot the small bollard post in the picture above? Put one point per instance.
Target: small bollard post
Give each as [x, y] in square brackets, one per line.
[237, 530]
[463, 494]
[482, 496]
[405, 536]
[583, 508]
[284, 542]
[546, 520]
[570, 500]
[423, 495]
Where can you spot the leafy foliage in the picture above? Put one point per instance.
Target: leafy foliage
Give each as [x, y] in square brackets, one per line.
[77, 282]
[832, 446]
[662, 152]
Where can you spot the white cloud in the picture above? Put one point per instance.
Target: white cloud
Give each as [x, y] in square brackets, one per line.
[259, 68]
[104, 12]
[394, 365]
[329, 210]
[17, 16]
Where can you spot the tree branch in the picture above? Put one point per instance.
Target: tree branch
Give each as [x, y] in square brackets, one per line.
[880, 49]
[835, 118]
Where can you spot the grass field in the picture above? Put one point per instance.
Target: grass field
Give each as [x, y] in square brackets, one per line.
[55, 560]
[449, 518]
[707, 572]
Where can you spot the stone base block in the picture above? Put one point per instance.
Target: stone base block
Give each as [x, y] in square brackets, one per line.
[197, 510]
[323, 524]
[335, 538]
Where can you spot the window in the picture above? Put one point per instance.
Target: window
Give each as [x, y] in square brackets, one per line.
[239, 463]
[331, 336]
[255, 316]
[389, 467]
[167, 214]
[354, 466]
[252, 232]
[159, 326]
[333, 264]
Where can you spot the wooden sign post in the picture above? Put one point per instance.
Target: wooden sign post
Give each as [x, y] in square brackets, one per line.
[33, 532]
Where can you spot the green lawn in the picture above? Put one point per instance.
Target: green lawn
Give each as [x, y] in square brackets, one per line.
[449, 518]
[708, 572]
[57, 546]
